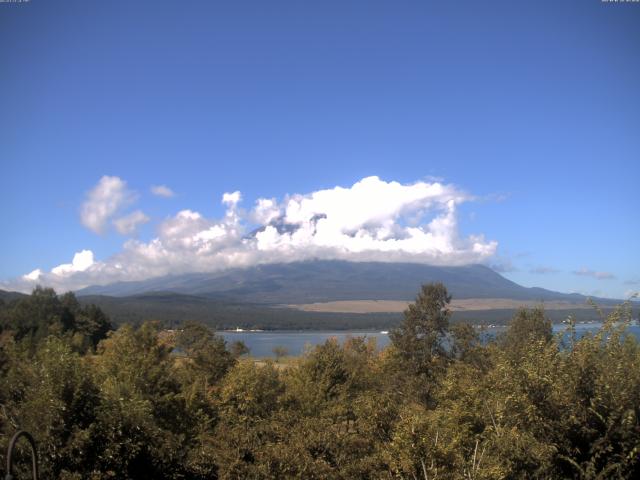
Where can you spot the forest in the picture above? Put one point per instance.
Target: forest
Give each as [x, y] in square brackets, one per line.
[143, 402]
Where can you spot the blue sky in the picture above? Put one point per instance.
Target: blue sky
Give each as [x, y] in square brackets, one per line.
[530, 110]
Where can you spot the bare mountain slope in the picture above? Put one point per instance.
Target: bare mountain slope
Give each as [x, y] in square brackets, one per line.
[324, 281]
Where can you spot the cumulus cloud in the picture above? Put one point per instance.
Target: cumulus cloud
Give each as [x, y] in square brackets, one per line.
[104, 201]
[162, 191]
[128, 224]
[266, 211]
[32, 276]
[372, 220]
[67, 276]
[81, 262]
[585, 272]
[232, 199]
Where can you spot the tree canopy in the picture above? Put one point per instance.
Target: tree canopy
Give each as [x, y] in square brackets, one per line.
[438, 403]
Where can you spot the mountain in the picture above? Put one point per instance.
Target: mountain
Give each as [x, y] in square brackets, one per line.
[326, 295]
[7, 297]
[329, 280]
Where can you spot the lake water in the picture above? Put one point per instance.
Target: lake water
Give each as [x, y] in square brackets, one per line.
[261, 344]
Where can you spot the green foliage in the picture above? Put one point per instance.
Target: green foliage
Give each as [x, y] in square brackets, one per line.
[207, 352]
[419, 341]
[143, 420]
[426, 322]
[527, 327]
[238, 349]
[436, 404]
[43, 313]
[50, 394]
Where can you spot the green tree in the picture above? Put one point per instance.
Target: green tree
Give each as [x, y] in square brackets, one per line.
[526, 327]
[44, 313]
[52, 395]
[238, 349]
[249, 398]
[207, 352]
[419, 341]
[39, 315]
[466, 345]
[144, 426]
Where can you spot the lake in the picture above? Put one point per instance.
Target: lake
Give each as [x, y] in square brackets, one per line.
[261, 344]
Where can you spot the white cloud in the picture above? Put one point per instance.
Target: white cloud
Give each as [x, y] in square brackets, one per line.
[162, 191]
[33, 276]
[266, 211]
[128, 224]
[231, 199]
[104, 201]
[81, 261]
[585, 272]
[67, 276]
[373, 220]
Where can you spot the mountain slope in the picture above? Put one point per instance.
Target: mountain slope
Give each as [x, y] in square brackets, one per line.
[322, 281]
[256, 296]
[7, 297]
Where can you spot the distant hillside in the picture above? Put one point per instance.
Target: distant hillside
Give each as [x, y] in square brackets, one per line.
[172, 309]
[9, 296]
[257, 296]
[323, 281]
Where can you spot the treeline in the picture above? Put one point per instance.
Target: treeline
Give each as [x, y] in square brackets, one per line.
[436, 404]
[171, 308]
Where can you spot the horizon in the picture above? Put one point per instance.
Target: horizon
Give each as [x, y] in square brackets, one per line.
[102, 289]
[139, 139]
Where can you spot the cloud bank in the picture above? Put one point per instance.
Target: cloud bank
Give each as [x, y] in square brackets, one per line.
[373, 220]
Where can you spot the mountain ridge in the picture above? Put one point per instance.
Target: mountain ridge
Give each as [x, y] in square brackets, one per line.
[332, 280]
[302, 295]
